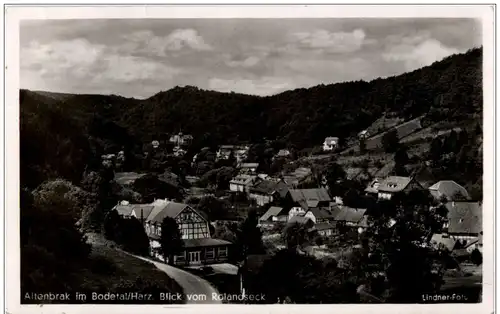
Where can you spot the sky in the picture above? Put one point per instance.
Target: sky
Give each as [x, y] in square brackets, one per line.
[141, 57]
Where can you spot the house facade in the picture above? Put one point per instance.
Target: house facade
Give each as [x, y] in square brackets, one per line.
[325, 229]
[199, 248]
[304, 199]
[242, 183]
[394, 184]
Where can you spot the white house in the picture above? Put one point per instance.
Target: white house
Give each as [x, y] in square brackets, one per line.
[242, 182]
[330, 143]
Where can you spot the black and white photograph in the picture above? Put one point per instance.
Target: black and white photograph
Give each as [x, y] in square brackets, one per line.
[181, 161]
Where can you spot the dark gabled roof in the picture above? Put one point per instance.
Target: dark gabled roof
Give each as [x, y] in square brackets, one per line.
[348, 214]
[272, 211]
[424, 176]
[394, 184]
[319, 195]
[269, 187]
[464, 218]
[322, 213]
[449, 189]
[162, 209]
[324, 226]
[204, 242]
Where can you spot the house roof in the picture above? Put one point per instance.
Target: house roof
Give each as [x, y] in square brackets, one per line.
[331, 140]
[124, 210]
[324, 226]
[308, 195]
[323, 213]
[394, 184]
[441, 240]
[269, 187]
[272, 211]
[348, 214]
[283, 152]
[204, 242]
[248, 165]
[146, 210]
[299, 219]
[464, 218]
[127, 177]
[163, 208]
[450, 189]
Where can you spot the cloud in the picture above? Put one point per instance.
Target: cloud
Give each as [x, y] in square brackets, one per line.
[74, 57]
[262, 86]
[245, 63]
[336, 42]
[177, 40]
[79, 62]
[418, 51]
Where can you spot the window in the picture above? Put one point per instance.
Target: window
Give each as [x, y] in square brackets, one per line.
[223, 251]
[210, 253]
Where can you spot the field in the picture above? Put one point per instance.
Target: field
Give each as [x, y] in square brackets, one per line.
[115, 271]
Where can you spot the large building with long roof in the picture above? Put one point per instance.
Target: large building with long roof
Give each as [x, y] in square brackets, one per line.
[199, 246]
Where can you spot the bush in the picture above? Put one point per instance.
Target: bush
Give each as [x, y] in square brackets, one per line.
[476, 257]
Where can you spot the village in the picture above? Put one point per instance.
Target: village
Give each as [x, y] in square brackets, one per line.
[293, 195]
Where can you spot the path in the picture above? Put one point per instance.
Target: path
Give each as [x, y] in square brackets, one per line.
[191, 284]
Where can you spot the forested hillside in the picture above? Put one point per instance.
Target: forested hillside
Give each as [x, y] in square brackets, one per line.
[62, 134]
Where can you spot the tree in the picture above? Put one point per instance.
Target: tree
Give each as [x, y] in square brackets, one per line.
[362, 146]
[401, 156]
[436, 150]
[249, 236]
[52, 247]
[450, 144]
[335, 175]
[295, 235]
[224, 175]
[132, 236]
[111, 224]
[399, 249]
[151, 188]
[390, 141]
[212, 206]
[170, 241]
[476, 257]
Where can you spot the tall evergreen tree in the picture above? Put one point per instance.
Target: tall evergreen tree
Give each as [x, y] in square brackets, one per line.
[170, 240]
